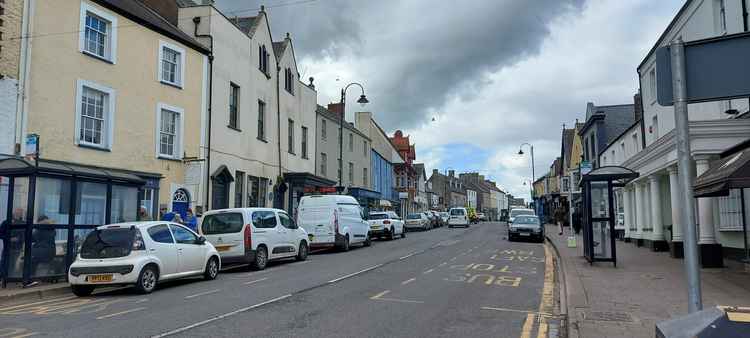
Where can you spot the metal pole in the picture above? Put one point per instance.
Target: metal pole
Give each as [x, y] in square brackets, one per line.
[341, 138]
[692, 271]
[744, 224]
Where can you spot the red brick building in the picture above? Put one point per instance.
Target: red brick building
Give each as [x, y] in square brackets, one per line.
[406, 176]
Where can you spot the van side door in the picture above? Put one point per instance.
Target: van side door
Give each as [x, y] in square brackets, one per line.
[266, 231]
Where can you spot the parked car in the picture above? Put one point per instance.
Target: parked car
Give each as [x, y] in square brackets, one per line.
[333, 220]
[517, 212]
[444, 217]
[458, 217]
[417, 221]
[438, 219]
[141, 254]
[254, 236]
[434, 222]
[386, 224]
[481, 216]
[525, 226]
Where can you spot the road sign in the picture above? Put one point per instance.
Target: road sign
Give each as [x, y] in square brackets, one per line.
[715, 69]
[585, 167]
[32, 145]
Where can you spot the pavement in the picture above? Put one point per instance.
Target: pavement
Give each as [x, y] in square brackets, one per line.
[439, 283]
[645, 288]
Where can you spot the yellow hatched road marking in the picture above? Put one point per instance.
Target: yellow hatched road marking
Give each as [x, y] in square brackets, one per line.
[121, 313]
[37, 303]
[542, 328]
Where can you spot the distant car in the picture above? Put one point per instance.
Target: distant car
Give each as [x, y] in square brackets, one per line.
[141, 254]
[458, 217]
[386, 224]
[333, 220]
[437, 218]
[525, 226]
[444, 217]
[481, 216]
[517, 212]
[254, 236]
[431, 218]
[417, 221]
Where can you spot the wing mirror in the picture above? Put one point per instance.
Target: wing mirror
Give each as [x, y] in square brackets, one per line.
[201, 240]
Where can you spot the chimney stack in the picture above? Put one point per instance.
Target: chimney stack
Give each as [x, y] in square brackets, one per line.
[337, 109]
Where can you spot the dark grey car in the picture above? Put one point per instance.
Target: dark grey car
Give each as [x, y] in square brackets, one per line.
[526, 226]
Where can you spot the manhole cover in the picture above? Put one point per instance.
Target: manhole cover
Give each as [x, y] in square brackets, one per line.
[608, 316]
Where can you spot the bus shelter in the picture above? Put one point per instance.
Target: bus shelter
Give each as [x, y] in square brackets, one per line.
[599, 212]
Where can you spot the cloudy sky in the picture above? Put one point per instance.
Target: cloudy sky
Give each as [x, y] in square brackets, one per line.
[493, 74]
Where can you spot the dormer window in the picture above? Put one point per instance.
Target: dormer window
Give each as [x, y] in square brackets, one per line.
[263, 59]
[289, 80]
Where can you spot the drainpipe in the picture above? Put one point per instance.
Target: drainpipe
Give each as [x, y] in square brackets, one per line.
[278, 115]
[24, 69]
[197, 21]
[744, 15]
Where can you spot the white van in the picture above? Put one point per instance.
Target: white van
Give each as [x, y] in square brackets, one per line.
[254, 235]
[458, 217]
[333, 220]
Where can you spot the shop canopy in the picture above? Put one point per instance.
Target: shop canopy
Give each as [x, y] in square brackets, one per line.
[618, 175]
[23, 167]
[732, 171]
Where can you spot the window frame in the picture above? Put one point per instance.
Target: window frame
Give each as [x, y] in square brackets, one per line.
[239, 188]
[351, 173]
[180, 131]
[323, 164]
[110, 50]
[290, 136]
[351, 142]
[323, 131]
[261, 133]
[232, 87]
[652, 84]
[303, 142]
[108, 139]
[180, 67]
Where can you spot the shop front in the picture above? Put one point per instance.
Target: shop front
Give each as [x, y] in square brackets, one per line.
[368, 199]
[296, 185]
[48, 207]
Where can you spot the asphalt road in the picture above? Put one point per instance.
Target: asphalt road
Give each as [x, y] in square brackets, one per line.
[441, 283]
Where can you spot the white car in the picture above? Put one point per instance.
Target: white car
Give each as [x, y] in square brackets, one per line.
[142, 254]
[458, 217]
[517, 212]
[254, 236]
[418, 221]
[386, 224]
[333, 220]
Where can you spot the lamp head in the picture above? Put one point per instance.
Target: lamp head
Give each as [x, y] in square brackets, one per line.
[363, 100]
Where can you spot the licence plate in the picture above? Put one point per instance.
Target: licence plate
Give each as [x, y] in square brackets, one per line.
[525, 234]
[99, 278]
[222, 248]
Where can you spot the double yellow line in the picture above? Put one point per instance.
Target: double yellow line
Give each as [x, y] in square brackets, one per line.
[545, 306]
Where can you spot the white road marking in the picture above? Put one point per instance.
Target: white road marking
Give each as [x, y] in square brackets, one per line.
[407, 256]
[428, 271]
[228, 314]
[453, 259]
[443, 263]
[408, 281]
[120, 313]
[380, 294]
[380, 297]
[203, 293]
[141, 300]
[255, 281]
[354, 274]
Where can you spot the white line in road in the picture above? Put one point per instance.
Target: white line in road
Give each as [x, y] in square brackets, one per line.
[380, 294]
[407, 256]
[408, 281]
[354, 274]
[141, 300]
[453, 259]
[443, 263]
[428, 271]
[255, 281]
[203, 293]
[380, 297]
[228, 314]
[120, 313]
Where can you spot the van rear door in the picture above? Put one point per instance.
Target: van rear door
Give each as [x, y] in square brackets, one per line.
[315, 215]
[225, 231]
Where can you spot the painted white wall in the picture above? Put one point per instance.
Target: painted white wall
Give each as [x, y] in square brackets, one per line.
[8, 100]
[623, 148]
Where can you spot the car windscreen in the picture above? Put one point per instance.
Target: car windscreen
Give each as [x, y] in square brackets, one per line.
[414, 216]
[526, 220]
[378, 216]
[518, 212]
[108, 243]
[457, 212]
[224, 223]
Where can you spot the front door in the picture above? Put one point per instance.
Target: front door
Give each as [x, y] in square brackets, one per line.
[180, 202]
[220, 194]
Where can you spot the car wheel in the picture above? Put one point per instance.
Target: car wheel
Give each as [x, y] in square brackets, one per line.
[147, 279]
[367, 241]
[403, 232]
[345, 246]
[391, 234]
[212, 269]
[82, 290]
[261, 258]
[302, 251]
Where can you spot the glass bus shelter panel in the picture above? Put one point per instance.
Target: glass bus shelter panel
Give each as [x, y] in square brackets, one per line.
[601, 232]
[599, 200]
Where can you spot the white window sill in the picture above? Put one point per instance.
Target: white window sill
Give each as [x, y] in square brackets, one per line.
[94, 146]
[171, 84]
[98, 57]
[169, 158]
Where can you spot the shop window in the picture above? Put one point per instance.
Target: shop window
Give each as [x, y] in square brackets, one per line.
[239, 188]
[146, 196]
[256, 191]
[124, 204]
[730, 211]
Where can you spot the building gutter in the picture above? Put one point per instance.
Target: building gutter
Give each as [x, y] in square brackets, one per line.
[24, 70]
[207, 154]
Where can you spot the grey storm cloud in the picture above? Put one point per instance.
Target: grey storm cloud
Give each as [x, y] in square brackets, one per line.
[413, 55]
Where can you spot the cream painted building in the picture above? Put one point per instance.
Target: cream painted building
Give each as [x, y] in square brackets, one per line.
[260, 140]
[356, 151]
[11, 16]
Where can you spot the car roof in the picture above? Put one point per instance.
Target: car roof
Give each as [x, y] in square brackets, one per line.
[524, 209]
[221, 211]
[139, 225]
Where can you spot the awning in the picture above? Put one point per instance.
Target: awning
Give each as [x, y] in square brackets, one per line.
[364, 193]
[307, 179]
[729, 172]
[24, 167]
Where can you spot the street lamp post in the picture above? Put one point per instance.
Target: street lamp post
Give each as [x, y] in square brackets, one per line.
[363, 101]
[445, 188]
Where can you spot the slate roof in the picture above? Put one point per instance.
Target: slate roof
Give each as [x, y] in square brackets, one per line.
[278, 48]
[245, 24]
[142, 14]
[615, 120]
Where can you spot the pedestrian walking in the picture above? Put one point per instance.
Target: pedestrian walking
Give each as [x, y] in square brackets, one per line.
[560, 218]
